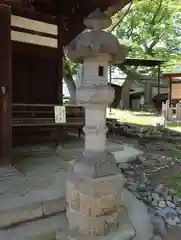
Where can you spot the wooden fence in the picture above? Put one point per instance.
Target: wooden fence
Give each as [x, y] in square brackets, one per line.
[171, 113]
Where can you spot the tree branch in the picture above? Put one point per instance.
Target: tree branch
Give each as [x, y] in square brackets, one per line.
[156, 13]
[129, 72]
[153, 22]
[130, 32]
[145, 45]
[153, 43]
[124, 15]
[149, 49]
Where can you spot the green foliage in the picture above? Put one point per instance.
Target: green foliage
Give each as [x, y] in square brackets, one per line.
[152, 28]
[175, 182]
[69, 67]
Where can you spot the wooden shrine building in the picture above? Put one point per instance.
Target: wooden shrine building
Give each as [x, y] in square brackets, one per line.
[33, 34]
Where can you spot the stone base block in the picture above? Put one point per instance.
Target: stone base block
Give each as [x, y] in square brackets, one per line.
[93, 187]
[94, 204]
[94, 226]
[124, 232]
[54, 206]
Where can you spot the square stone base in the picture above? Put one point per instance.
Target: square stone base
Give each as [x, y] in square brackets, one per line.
[124, 232]
[93, 205]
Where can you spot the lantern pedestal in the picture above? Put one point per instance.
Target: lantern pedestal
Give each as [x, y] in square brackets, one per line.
[95, 183]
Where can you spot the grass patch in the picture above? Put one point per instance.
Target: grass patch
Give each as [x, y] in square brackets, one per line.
[175, 183]
[142, 118]
[176, 128]
[174, 153]
[169, 180]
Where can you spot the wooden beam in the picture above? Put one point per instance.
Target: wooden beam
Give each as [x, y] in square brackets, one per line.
[33, 32]
[30, 14]
[76, 19]
[34, 50]
[172, 75]
[5, 86]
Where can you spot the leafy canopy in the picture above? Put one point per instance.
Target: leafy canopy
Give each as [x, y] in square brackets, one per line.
[152, 29]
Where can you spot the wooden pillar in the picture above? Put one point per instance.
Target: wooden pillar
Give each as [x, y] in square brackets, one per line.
[60, 60]
[5, 85]
[170, 91]
[159, 79]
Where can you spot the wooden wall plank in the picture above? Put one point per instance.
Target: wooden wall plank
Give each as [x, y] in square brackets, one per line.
[5, 81]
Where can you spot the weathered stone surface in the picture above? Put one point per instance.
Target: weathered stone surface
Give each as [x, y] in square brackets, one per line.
[96, 187]
[138, 216]
[124, 232]
[128, 154]
[94, 204]
[95, 184]
[74, 199]
[94, 164]
[157, 238]
[44, 236]
[25, 198]
[54, 205]
[20, 214]
[94, 43]
[93, 226]
[95, 207]
[41, 229]
[159, 226]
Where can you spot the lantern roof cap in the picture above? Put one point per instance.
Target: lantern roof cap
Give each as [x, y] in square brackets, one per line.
[96, 41]
[97, 20]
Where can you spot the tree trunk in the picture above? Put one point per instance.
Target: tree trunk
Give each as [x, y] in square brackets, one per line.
[125, 94]
[126, 87]
[132, 76]
[71, 87]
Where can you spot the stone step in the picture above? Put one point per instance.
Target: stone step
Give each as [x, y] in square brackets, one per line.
[56, 227]
[42, 229]
[7, 172]
[37, 189]
[22, 200]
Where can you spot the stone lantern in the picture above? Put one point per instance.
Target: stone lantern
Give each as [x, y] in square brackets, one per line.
[95, 183]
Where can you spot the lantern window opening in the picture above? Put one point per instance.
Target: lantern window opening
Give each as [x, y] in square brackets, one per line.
[100, 71]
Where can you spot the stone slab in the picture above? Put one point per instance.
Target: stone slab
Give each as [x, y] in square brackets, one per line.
[23, 198]
[138, 215]
[128, 154]
[42, 229]
[54, 206]
[8, 177]
[121, 152]
[15, 214]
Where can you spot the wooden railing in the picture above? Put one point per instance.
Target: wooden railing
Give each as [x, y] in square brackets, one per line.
[33, 120]
[43, 114]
